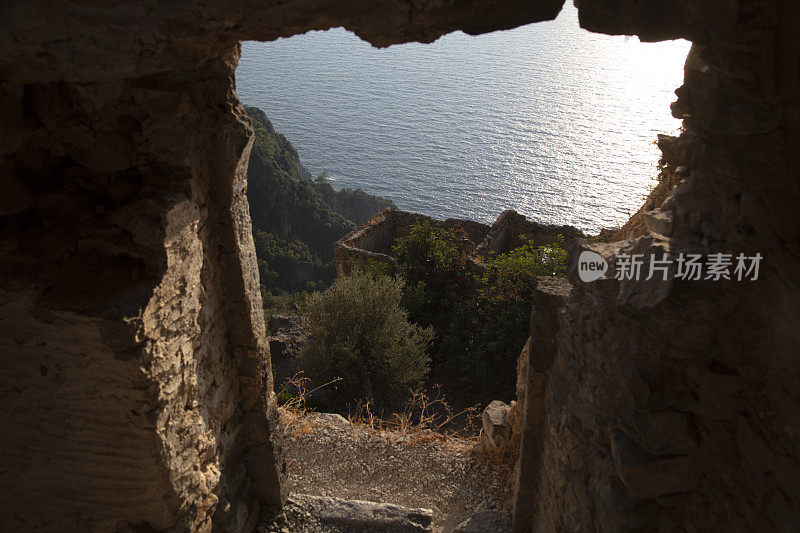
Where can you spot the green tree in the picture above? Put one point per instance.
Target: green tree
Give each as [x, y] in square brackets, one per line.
[481, 321]
[359, 332]
[498, 321]
[511, 276]
[433, 266]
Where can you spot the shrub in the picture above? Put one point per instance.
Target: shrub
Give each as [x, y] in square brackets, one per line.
[511, 276]
[428, 250]
[358, 332]
[289, 266]
[481, 321]
[500, 315]
[437, 282]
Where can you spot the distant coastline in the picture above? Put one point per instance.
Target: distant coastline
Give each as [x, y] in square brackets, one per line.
[296, 218]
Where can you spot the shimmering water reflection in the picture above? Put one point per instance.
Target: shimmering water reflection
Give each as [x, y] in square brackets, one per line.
[548, 119]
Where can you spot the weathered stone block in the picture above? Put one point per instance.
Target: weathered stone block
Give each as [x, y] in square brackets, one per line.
[495, 427]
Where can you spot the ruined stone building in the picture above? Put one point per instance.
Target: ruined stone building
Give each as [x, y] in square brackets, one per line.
[135, 376]
[478, 242]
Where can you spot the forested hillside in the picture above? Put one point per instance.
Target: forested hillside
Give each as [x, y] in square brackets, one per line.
[297, 219]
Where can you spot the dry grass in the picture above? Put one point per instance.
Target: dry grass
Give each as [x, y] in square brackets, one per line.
[499, 458]
[426, 445]
[425, 417]
[295, 408]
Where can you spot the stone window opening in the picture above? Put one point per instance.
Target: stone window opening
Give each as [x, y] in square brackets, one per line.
[136, 391]
[502, 424]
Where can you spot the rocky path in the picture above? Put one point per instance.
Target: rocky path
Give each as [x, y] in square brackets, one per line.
[329, 457]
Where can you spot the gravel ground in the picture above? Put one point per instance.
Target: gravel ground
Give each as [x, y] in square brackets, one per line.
[328, 456]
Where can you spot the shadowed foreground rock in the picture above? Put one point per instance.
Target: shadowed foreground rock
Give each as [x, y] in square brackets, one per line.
[485, 521]
[316, 513]
[135, 371]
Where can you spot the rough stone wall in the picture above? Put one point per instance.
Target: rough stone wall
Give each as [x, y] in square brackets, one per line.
[135, 379]
[511, 230]
[672, 405]
[140, 378]
[533, 381]
[373, 241]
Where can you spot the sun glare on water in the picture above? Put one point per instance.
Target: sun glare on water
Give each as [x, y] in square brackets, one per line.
[548, 119]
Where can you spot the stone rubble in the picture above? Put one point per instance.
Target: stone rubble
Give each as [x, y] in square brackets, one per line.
[304, 512]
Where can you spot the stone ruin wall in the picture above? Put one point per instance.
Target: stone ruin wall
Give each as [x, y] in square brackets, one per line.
[373, 240]
[135, 374]
[511, 230]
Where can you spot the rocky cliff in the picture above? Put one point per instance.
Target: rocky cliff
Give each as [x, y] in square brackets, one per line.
[297, 220]
[667, 405]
